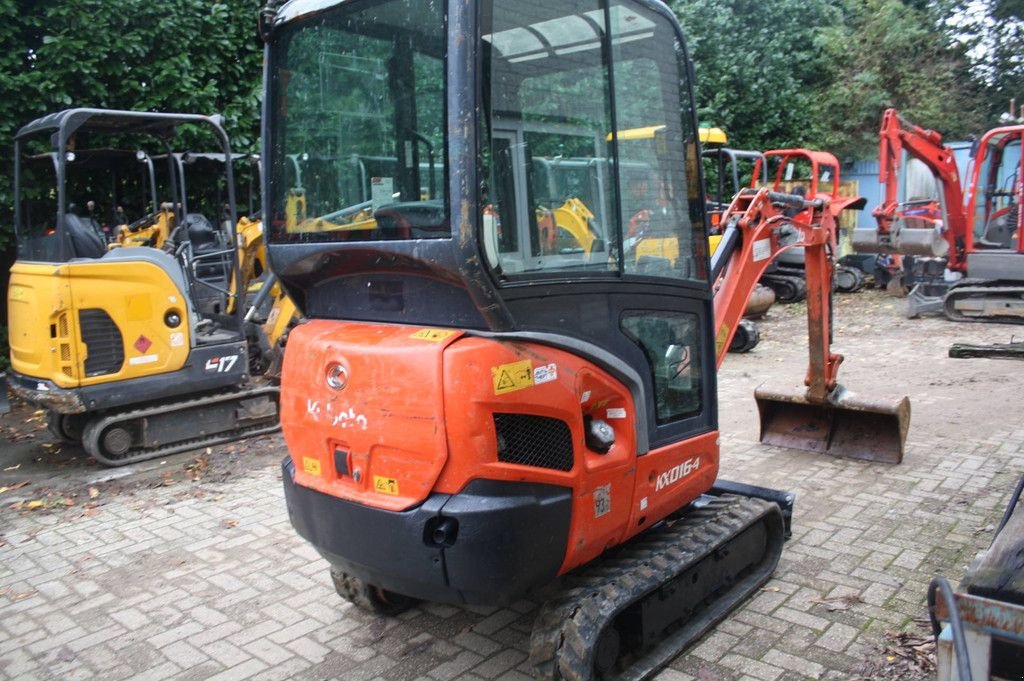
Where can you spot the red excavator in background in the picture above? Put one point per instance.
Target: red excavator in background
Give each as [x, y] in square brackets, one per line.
[471, 413]
[814, 174]
[977, 239]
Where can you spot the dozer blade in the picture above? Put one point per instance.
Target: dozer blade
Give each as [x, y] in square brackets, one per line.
[872, 430]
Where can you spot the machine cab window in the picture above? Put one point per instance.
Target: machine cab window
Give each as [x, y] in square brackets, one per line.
[589, 170]
[996, 204]
[360, 155]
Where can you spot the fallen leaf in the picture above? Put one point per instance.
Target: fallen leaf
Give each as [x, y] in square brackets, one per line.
[93, 492]
[773, 589]
[17, 485]
[21, 596]
[35, 503]
[229, 523]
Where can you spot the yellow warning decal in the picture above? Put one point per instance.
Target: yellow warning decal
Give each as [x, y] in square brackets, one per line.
[433, 335]
[311, 465]
[511, 377]
[385, 485]
[721, 338]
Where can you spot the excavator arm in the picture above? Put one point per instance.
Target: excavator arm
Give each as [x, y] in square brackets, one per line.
[824, 417]
[897, 135]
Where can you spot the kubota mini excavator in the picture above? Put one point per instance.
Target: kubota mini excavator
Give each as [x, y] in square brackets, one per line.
[120, 346]
[980, 233]
[470, 415]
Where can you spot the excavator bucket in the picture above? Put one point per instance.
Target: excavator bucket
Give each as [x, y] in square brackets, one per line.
[841, 425]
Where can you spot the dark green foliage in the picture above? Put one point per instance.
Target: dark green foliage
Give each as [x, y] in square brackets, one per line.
[759, 65]
[993, 32]
[819, 74]
[889, 54]
[191, 56]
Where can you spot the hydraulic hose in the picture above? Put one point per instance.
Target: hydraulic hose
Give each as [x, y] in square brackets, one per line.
[963, 663]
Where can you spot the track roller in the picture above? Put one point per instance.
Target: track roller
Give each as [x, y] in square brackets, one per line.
[66, 428]
[849, 279]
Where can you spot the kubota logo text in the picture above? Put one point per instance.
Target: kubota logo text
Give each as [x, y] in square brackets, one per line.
[676, 473]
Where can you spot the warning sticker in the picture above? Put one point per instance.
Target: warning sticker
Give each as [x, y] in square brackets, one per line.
[385, 485]
[602, 500]
[433, 335]
[548, 372]
[311, 465]
[508, 378]
[762, 249]
[382, 192]
[720, 338]
[616, 413]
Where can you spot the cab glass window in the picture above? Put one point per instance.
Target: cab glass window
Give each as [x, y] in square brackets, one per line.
[589, 152]
[358, 127]
[671, 342]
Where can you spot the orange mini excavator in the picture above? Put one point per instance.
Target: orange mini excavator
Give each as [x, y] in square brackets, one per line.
[472, 412]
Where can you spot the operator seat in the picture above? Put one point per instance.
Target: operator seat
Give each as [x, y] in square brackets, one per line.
[85, 241]
[1000, 230]
[201, 233]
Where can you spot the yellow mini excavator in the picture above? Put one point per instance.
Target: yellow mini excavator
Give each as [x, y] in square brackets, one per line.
[134, 352]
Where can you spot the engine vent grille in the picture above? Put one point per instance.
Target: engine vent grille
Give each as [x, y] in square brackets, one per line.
[534, 441]
[103, 341]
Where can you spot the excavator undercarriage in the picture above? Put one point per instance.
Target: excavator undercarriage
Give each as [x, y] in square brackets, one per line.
[627, 614]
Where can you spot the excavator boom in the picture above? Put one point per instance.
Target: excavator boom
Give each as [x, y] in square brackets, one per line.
[824, 417]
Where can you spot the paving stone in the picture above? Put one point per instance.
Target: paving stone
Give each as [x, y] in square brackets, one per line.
[156, 586]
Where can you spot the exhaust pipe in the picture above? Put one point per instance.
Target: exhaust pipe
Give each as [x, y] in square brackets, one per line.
[841, 425]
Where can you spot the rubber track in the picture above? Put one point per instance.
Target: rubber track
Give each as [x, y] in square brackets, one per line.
[798, 287]
[567, 630]
[973, 287]
[91, 437]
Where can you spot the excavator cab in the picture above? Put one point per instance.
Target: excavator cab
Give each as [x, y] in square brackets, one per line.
[121, 346]
[996, 199]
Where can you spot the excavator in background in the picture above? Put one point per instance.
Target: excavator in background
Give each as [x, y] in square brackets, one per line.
[269, 313]
[470, 415]
[814, 174]
[977, 242]
[726, 172]
[729, 170]
[125, 348]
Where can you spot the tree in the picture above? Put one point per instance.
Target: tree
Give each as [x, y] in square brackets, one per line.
[887, 53]
[992, 32]
[759, 66]
[190, 56]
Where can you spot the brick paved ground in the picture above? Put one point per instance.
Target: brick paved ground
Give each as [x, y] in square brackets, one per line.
[207, 580]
